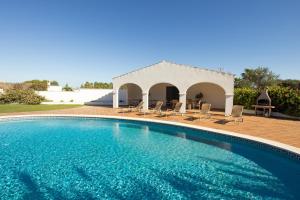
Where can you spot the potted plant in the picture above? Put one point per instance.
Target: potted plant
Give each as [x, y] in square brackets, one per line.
[198, 98]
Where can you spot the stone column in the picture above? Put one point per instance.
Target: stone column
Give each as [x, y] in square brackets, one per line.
[228, 104]
[116, 98]
[146, 101]
[182, 99]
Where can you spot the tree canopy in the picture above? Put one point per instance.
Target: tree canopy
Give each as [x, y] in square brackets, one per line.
[97, 85]
[291, 83]
[67, 88]
[38, 85]
[258, 78]
[54, 83]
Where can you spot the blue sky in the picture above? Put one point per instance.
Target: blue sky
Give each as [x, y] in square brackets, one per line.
[75, 41]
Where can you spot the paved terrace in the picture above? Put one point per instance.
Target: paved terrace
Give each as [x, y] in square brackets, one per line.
[284, 131]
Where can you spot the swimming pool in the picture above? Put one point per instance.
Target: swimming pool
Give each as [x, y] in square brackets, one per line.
[89, 158]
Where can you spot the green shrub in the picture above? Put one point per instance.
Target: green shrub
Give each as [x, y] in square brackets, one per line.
[67, 88]
[21, 96]
[38, 85]
[54, 83]
[285, 100]
[10, 96]
[245, 96]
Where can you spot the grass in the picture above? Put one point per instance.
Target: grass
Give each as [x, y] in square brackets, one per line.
[10, 108]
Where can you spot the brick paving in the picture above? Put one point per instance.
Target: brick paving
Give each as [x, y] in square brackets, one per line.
[281, 130]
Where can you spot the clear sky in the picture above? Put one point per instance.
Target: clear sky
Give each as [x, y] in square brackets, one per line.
[75, 41]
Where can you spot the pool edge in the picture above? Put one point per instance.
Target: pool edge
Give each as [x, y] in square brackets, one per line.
[273, 143]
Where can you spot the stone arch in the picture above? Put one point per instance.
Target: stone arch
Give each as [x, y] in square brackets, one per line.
[212, 93]
[163, 91]
[133, 92]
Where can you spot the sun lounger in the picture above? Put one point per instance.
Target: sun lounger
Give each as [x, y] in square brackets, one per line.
[204, 113]
[174, 111]
[156, 109]
[236, 114]
[138, 108]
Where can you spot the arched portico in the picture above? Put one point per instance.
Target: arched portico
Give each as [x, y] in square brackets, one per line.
[218, 86]
[133, 91]
[165, 92]
[206, 92]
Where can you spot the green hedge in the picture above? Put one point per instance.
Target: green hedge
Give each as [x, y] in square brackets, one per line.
[245, 96]
[21, 96]
[285, 100]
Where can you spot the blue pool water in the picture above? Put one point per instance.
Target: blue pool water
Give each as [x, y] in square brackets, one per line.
[74, 158]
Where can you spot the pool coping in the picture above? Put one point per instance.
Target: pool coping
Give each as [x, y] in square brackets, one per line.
[273, 143]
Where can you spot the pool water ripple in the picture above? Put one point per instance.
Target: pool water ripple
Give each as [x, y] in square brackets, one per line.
[114, 159]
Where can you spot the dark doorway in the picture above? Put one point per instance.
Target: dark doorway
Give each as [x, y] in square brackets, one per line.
[172, 93]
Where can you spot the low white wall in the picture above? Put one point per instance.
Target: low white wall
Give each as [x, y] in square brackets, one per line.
[53, 88]
[82, 96]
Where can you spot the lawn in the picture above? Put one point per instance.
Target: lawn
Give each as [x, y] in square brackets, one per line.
[10, 108]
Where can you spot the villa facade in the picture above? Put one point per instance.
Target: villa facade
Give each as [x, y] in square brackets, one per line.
[168, 81]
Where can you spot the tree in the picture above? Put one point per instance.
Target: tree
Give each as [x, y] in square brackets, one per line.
[87, 85]
[67, 88]
[54, 83]
[38, 85]
[290, 83]
[259, 78]
[97, 85]
[241, 83]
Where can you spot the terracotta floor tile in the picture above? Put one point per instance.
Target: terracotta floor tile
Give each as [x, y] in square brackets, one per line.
[285, 131]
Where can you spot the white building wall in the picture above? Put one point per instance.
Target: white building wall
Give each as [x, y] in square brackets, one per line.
[95, 96]
[53, 88]
[181, 76]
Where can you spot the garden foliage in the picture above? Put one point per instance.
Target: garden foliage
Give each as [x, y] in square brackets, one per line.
[21, 96]
[286, 100]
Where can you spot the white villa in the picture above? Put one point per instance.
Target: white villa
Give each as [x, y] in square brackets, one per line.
[168, 81]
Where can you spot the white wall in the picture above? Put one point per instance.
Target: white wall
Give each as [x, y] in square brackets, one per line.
[54, 88]
[181, 76]
[94, 96]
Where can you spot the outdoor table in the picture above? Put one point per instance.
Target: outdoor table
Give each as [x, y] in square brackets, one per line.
[268, 108]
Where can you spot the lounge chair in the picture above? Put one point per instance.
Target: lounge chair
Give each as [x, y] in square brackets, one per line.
[137, 108]
[173, 103]
[204, 113]
[156, 109]
[174, 111]
[236, 114]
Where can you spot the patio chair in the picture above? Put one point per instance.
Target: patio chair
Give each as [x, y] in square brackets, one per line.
[156, 109]
[173, 103]
[174, 111]
[137, 108]
[236, 114]
[204, 113]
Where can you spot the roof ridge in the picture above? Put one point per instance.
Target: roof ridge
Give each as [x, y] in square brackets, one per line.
[182, 65]
[197, 67]
[137, 69]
